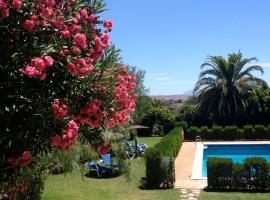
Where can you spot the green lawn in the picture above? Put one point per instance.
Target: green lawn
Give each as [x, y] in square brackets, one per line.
[233, 196]
[74, 186]
[150, 141]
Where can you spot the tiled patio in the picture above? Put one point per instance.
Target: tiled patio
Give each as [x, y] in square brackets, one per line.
[183, 168]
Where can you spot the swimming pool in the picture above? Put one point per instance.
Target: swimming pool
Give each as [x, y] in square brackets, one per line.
[237, 152]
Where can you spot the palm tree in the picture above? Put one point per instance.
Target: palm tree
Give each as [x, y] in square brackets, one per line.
[223, 86]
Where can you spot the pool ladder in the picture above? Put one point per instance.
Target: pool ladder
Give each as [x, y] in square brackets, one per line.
[198, 139]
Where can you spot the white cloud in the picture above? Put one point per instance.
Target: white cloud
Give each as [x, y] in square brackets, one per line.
[163, 78]
[264, 65]
[158, 77]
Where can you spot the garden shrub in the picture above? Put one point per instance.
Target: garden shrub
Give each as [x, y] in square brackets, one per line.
[218, 172]
[230, 132]
[204, 132]
[267, 132]
[249, 132]
[260, 131]
[182, 124]
[256, 173]
[253, 174]
[161, 117]
[59, 75]
[240, 133]
[218, 132]
[192, 132]
[169, 146]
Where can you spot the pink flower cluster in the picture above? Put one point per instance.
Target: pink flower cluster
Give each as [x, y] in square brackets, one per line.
[68, 138]
[90, 41]
[80, 67]
[22, 161]
[59, 109]
[125, 98]
[38, 67]
[91, 114]
[5, 6]
[102, 147]
[108, 25]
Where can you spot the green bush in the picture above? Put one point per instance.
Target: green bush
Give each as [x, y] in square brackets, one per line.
[159, 116]
[204, 132]
[256, 172]
[219, 171]
[169, 146]
[237, 175]
[192, 132]
[240, 133]
[182, 124]
[253, 174]
[232, 132]
[249, 132]
[260, 131]
[217, 132]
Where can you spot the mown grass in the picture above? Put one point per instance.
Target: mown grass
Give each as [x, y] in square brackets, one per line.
[233, 196]
[75, 186]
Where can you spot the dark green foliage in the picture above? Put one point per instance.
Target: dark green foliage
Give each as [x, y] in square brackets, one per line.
[217, 132]
[223, 174]
[224, 85]
[169, 146]
[182, 124]
[159, 116]
[231, 132]
[218, 172]
[191, 133]
[260, 131]
[248, 132]
[256, 173]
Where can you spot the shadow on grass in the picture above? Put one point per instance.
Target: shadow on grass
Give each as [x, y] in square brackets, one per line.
[93, 174]
[235, 190]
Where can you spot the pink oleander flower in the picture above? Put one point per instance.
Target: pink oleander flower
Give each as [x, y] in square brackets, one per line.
[29, 25]
[48, 60]
[93, 18]
[17, 4]
[80, 40]
[59, 109]
[65, 34]
[84, 13]
[108, 25]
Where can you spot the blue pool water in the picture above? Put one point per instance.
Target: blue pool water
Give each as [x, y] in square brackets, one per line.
[237, 152]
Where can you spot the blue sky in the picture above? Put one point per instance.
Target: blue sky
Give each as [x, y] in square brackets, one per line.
[171, 39]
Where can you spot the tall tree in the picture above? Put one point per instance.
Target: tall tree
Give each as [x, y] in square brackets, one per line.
[224, 84]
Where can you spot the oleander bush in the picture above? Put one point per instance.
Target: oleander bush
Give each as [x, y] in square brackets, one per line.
[61, 79]
[253, 174]
[158, 174]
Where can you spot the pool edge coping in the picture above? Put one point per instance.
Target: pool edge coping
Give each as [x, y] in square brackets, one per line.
[197, 163]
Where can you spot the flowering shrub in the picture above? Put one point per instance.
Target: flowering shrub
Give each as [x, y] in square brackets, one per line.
[58, 73]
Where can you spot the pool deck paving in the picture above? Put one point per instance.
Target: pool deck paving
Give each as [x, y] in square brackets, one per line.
[183, 168]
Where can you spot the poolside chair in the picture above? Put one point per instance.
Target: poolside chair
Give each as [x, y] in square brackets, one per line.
[131, 149]
[99, 169]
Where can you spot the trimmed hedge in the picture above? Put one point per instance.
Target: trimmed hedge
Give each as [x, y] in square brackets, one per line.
[157, 174]
[253, 174]
[248, 132]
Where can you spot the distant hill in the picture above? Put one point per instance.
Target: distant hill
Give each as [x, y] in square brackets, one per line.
[188, 93]
[173, 101]
[170, 97]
